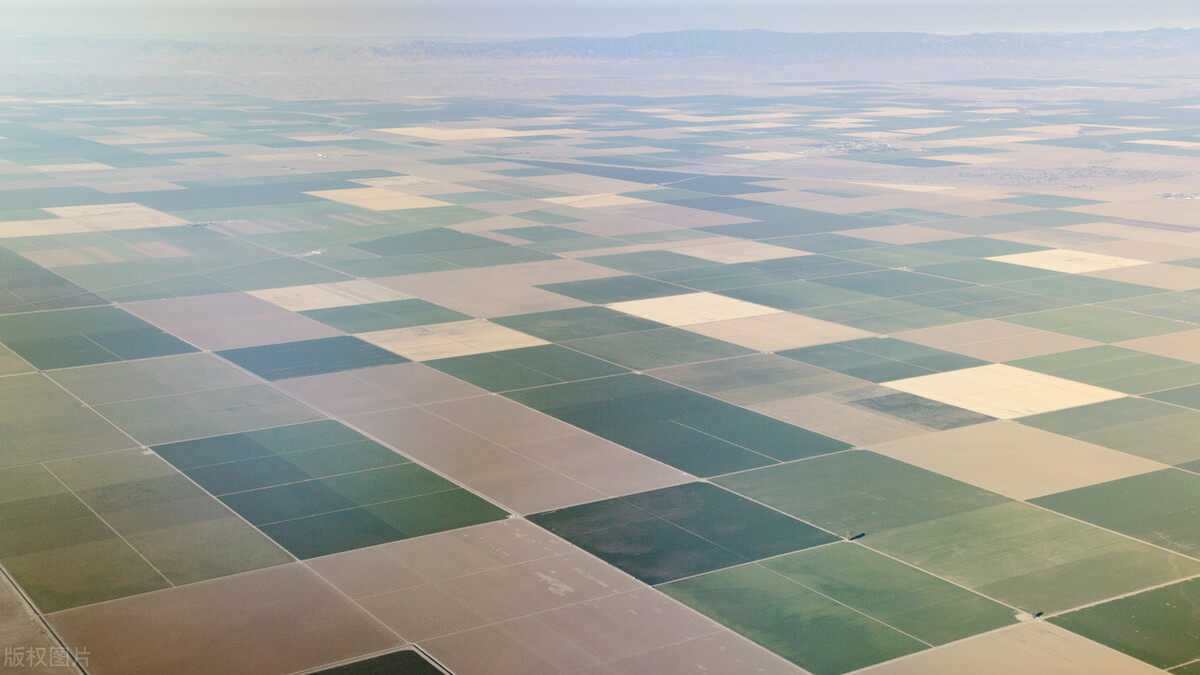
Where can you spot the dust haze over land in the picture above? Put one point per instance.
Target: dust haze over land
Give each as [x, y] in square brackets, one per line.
[698, 62]
[1037, 73]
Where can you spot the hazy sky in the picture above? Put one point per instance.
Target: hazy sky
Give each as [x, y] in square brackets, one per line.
[529, 18]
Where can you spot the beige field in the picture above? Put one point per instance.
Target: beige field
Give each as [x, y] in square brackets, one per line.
[377, 199]
[594, 201]
[726, 118]
[896, 111]
[973, 159]
[279, 619]
[736, 251]
[458, 338]
[1067, 261]
[1035, 647]
[985, 140]
[925, 130]
[92, 218]
[1169, 277]
[1002, 391]
[1183, 345]
[692, 308]
[64, 168]
[1169, 144]
[1014, 460]
[475, 134]
[324, 296]
[994, 340]
[765, 156]
[848, 423]
[777, 331]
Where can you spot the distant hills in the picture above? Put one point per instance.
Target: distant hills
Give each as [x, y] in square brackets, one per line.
[731, 44]
[760, 44]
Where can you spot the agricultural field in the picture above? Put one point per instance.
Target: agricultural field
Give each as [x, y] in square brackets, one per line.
[836, 377]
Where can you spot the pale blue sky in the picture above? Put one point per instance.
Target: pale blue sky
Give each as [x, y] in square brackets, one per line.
[531, 18]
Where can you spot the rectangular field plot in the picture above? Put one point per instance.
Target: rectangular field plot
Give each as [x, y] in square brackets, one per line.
[1033, 646]
[923, 606]
[186, 534]
[61, 552]
[79, 337]
[1162, 508]
[1015, 460]
[1031, 559]
[850, 493]
[680, 531]
[805, 627]
[43, 422]
[377, 316]
[310, 357]
[1138, 426]
[198, 414]
[1003, 391]
[1099, 323]
[321, 488]
[148, 378]
[527, 367]
[1159, 626]
[1115, 368]
[686, 430]
[881, 359]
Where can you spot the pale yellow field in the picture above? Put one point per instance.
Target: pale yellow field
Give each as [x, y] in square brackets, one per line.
[1003, 391]
[737, 252]
[1035, 647]
[1067, 261]
[91, 218]
[692, 308]
[377, 199]
[1015, 460]
[459, 338]
[777, 331]
[323, 296]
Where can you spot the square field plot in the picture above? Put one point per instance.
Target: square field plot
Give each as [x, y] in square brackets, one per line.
[1067, 261]
[445, 340]
[1002, 391]
[310, 357]
[680, 531]
[692, 308]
